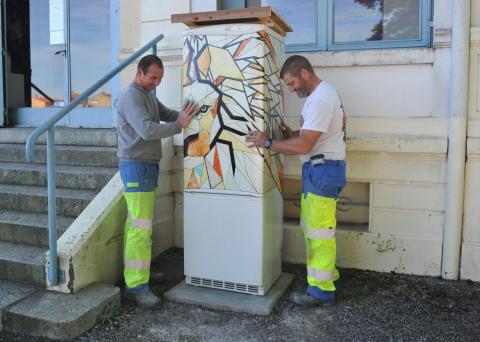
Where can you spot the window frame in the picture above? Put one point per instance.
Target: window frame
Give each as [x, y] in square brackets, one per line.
[324, 33]
[423, 41]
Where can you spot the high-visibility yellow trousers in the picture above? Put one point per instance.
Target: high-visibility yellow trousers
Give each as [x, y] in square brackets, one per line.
[321, 187]
[138, 238]
[140, 180]
[318, 223]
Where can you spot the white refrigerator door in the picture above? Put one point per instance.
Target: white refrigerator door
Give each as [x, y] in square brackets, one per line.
[234, 239]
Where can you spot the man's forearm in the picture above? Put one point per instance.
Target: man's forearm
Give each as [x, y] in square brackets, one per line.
[293, 145]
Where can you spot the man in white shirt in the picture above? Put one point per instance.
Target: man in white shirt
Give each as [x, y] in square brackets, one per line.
[320, 144]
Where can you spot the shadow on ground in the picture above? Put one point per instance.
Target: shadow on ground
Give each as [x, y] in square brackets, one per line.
[371, 307]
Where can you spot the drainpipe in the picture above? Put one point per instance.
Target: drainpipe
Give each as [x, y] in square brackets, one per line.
[457, 138]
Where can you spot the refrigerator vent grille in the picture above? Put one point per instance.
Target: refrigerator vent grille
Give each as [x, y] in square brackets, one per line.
[225, 285]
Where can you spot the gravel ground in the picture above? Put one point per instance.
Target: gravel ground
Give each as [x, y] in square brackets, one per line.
[371, 307]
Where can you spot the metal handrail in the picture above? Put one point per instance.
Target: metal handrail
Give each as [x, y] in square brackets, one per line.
[49, 126]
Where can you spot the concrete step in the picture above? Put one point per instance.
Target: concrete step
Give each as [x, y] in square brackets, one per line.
[54, 315]
[29, 228]
[34, 199]
[63, 136]
[69, 177]
[64, 155]
[22, 263]
[12, 292]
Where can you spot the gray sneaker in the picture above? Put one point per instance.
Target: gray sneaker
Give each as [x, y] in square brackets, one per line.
[146, 300]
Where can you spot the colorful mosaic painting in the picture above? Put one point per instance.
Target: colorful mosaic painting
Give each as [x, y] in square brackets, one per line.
[235, 81]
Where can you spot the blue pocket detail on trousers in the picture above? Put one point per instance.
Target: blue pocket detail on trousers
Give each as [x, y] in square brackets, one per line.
[325, 180]
[144, 175]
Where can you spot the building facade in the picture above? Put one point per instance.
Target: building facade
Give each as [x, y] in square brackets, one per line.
[408, 73]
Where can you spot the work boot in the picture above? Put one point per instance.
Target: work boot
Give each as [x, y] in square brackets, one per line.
[146, 299]
[157, 277]
[313, 297]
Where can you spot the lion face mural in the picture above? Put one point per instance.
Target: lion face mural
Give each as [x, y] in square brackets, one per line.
[235, 82]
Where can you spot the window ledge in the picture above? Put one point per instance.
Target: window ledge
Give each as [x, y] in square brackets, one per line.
[475, 36]
[400, 56]
[394, 143]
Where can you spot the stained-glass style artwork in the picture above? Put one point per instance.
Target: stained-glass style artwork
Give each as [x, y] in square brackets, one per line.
[235, 81]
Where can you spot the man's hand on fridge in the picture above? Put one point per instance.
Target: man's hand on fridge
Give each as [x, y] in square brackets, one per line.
[256, 138]
[186, 114]
[287, 131]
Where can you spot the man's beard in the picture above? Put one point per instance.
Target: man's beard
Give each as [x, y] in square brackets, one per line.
[302, 91]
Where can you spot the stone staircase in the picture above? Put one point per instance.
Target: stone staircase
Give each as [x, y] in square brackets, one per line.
[86, 160]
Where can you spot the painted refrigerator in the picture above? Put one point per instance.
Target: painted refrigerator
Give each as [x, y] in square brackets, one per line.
[233, 206]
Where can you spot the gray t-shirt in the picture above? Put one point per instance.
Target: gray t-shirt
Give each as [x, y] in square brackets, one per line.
[139, 125]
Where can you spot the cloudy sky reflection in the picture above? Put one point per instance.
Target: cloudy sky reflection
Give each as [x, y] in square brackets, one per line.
[90, 46]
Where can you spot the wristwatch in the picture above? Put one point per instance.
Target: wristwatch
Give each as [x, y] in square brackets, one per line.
[267, 143]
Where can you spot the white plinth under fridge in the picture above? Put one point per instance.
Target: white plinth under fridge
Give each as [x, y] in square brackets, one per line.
[233, 207]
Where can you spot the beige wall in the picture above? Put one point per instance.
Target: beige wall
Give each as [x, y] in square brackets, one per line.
[475, 17]
[379, 90]
[470, 258]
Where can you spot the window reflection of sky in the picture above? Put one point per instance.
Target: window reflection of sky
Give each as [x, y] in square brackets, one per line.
[90, 39]
[47, 68]
[301, 16]
[354, 22]
[90, 46]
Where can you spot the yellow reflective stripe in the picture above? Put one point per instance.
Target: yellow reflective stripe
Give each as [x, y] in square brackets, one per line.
[132, 185]
[136, 264]
[142, 223]
[318, 232]
[320, 274]
[322, 233]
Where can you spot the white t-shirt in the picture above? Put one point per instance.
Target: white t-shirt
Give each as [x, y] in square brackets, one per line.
[322, 112]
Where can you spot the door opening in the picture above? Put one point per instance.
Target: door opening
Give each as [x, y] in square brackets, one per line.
[55, 50]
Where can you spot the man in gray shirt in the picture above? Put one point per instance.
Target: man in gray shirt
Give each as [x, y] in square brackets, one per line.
[142, 122]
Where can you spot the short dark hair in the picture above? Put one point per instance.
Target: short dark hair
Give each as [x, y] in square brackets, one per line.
[294, 64]
[148, 60]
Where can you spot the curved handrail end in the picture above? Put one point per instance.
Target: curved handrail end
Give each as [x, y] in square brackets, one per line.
[30, 147]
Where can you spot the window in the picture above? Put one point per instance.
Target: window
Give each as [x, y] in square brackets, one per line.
[232, 4]
[354, 24]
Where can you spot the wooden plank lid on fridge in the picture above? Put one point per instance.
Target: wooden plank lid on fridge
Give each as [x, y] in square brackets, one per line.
[260, 15]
